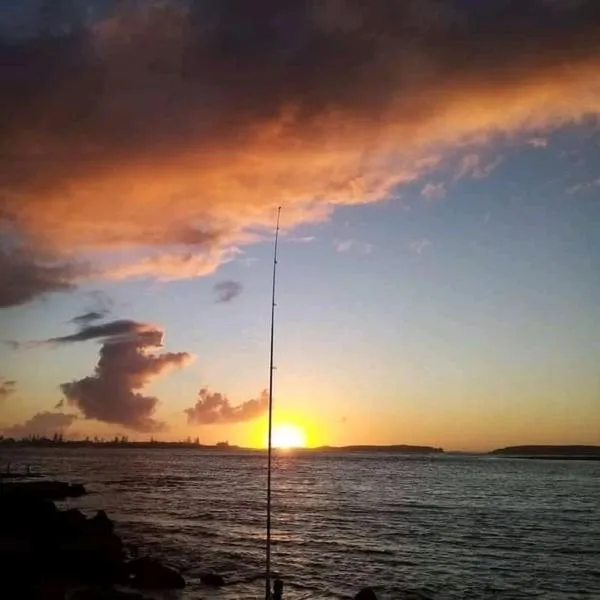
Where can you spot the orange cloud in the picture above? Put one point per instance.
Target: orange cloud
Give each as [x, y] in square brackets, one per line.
[181, 129]
[214, 407]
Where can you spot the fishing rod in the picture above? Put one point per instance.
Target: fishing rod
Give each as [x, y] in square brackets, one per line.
[278, 590]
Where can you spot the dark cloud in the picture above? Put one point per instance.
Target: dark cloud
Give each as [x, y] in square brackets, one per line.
[125, 367]
[213, 408]
[24, 277]
[100, 307]
[89, 317]
[168, 131]
[226, 291]
[7, 387]
[122, 329]
[44, 424]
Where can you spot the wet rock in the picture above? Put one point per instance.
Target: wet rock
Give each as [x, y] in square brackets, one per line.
[212, 579]
[366, 594]
[146, 573]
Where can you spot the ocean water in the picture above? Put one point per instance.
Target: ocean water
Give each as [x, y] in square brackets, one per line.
[438, 527]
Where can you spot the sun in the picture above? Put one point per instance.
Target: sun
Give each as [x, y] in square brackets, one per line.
[287, 436]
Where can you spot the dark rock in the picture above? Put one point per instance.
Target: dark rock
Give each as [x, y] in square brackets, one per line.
[212, 579]
[42, 490]
[105, 594]
[76, 490]
[26, 514]
[100, 523]
[73, 521]
[92, 557]
[278, 589]
[146, 573]
[366, 594]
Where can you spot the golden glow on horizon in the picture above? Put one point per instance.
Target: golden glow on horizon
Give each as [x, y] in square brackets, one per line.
[287, 436]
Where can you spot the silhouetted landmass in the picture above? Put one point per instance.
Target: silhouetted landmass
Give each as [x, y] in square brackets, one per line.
[123, 442]
[397, 448]
[563, 452]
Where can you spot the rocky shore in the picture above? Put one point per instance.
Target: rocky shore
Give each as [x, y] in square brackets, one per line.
[52, 554]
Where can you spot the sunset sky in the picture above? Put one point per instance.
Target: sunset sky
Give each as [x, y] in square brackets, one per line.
[438, 165]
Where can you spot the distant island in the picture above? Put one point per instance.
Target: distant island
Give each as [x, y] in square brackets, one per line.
[194, 444]
[393, 449]
[549, 452]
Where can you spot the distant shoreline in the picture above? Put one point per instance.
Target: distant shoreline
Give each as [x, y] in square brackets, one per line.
[574, 452]
[539, 452]
[222, 447]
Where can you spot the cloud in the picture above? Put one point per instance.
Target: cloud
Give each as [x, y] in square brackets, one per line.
[226, 291]
[473, 165]
[119, 330]
[434, 191]
[304, 239]
[343, 246]
[538, 142]
[7, 388]
[163, 134]
[184, 264]
[89, 317]
[102, 305]
[420, 246]
[214, 408]
[125, 367]
[43, 424]
[25, 276]
[584, 186]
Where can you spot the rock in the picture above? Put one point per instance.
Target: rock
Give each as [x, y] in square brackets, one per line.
[73, 521]
[212, 579]
[100, 523]
[42, 490]
[26, 514]
[278, 589]
[93, 558]
[104, 594]
[366, 594]
[76, 490]
[146, 573]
